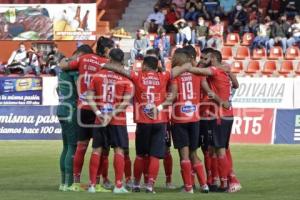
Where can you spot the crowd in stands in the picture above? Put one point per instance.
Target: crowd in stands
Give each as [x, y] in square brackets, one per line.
[30, 60]
[208, 23]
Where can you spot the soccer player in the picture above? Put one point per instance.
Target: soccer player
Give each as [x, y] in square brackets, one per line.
[168, 159]
[150, 92]
[87, 65]
[112, 93]
[67, 114]
[219, 82]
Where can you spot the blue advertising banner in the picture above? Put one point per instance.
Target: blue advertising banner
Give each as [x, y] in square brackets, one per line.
[29, 123]
[20, 91]
[287, 127]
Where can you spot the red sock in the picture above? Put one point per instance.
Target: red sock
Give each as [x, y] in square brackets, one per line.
[199, 169]
[78, 161]
[223, 170]
[138, 169]
[232, 177]
[127, 168]
[168, 165]
[214, 168]
[119, 164]
[207, 162]
[153, 169]
[146, 169]
[193, 177]
[99, 172]
[105, 163]
[94, 165]
[186, 171]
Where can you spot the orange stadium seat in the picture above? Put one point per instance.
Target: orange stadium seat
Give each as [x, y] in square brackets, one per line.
[259, 54]
[242, 53]
[232, 39]
[226, 53]
[276, 53]
[292, 53]
[247, 39]
[286, 67]
[269, 67]
[253, 67]
[236, 66]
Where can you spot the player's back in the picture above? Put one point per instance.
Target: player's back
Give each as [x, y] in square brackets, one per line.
[87, 65]
[150, 90]
[185, 108]
[220, 84]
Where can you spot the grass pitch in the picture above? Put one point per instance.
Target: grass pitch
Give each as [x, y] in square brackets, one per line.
[29, 170]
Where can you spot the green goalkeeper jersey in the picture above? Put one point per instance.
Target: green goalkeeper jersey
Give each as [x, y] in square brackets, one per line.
[67, 91]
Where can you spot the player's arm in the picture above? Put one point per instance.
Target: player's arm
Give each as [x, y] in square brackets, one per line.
[172, 94]
[213, 95]
[67, 63]
[123, 105]
[118, 69]
[178, 70]
[201, 71]
[92, 103]
[235, 82]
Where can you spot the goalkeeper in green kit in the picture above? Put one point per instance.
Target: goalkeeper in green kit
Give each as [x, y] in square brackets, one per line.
[67, 114]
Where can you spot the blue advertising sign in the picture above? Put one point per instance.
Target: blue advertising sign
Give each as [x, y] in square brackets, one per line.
[20, 91]
[287, 127]
[29, 123]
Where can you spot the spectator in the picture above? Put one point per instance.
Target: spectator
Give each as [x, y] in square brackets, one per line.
[34, 61]
[274, 8]
[263, 5]
[238, 20]
[201, 33]
[201, 10]
[154, 21]
[213, 8]
[279, 33]
[254, 16]
[53, 59]
[141, 44]
[180, 6]
[295, 32]
[164, 3]
[262, 34]
[194, 9]
[18, 56]
[171, 17]
[162, 44]
[185, 33]
[292, 8]
[227, 6]
[216, 34]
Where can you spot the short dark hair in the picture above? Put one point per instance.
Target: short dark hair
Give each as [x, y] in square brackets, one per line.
[151, 62]
[86, 49]
[153, 51]
[207, 50]
[117, 55]
[217, 55]
[191, 51]
[102, 44]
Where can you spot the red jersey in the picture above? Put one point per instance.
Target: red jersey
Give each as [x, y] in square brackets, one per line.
[87, 65]
[186, 106]
[110, 89]
[220, 84]
[150, 90]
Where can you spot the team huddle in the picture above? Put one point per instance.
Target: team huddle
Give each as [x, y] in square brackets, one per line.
[190, 105]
